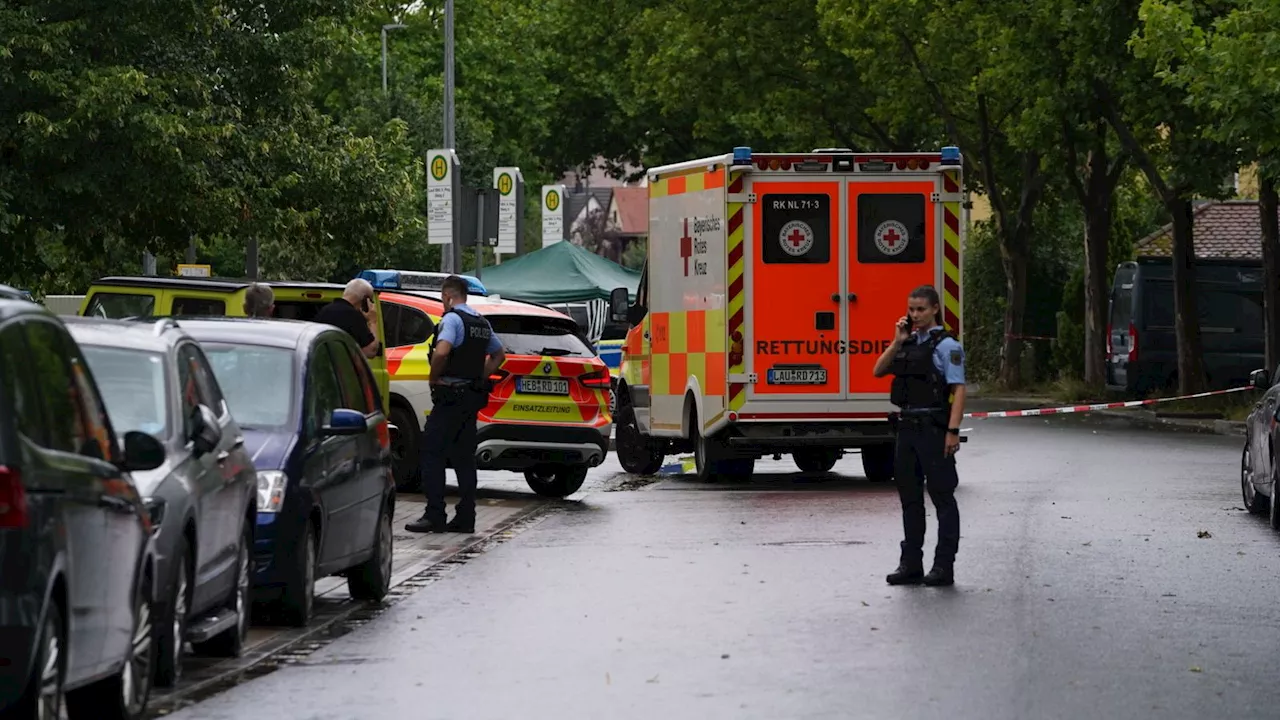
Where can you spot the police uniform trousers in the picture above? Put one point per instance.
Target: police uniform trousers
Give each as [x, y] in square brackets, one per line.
[920, 454]
[450, 437]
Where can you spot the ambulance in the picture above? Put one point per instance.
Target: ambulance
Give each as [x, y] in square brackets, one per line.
[771, 286]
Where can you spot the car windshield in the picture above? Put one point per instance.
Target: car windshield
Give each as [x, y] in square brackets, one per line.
[132, 383]
[258, 383]
[535, 335]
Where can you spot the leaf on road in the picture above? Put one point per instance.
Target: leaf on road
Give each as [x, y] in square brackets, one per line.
[1204, 534]
[653, 680]
[1196, 669]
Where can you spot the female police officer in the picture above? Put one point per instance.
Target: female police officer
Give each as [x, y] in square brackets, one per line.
[928, 388]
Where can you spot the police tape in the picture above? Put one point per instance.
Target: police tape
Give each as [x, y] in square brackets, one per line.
[1100, 406]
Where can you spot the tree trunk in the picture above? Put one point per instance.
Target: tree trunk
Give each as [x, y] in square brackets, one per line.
[1268, 206]
[1016, 259]
[1186, 322]
[1099, 190]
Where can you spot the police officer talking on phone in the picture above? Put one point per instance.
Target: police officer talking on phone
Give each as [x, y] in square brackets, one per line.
[464, 354]
[927, 365]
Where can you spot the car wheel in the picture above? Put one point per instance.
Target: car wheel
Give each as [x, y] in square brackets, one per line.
[815, 461]
[230, 642]
[299, 593]
[1274, 502]
[371, 580]
[556, 481]
[174, 619]
[404, 451]
[877, 462]
[124, 696]
[1253, 502]
[43, 698]
[638, 455]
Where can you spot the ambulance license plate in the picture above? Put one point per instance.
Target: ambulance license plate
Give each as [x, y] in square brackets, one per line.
[797, 376]
[542, 386]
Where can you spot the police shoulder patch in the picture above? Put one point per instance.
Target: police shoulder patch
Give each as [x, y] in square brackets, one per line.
[957, 357]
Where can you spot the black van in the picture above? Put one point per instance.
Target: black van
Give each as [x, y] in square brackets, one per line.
[1142, 350]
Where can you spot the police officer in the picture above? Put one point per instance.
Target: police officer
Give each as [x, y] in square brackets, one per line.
[928, 388]
[464, 353]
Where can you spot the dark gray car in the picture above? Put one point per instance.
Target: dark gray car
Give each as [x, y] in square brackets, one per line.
[76, 542]
[156, 379]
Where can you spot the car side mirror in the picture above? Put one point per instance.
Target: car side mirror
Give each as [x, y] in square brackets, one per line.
[619, 304]
[345, 422]
[141, 452]
[1259, 379]
[206, 433]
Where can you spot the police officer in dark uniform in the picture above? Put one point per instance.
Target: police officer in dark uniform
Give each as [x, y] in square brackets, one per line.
[464, 354]
[928, 388]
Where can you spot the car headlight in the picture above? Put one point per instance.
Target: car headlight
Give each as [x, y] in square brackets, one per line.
[271, 485]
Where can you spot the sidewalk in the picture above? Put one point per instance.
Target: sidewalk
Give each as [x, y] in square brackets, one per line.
[1138, 417]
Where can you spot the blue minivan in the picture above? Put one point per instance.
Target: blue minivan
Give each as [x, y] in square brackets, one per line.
[313, 422]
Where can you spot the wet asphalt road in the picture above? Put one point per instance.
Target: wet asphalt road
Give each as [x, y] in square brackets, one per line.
[1084, 589]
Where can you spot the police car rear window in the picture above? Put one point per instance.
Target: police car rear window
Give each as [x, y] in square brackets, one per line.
[533, 335]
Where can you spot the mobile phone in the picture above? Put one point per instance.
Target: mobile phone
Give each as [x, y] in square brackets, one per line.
[364, 304]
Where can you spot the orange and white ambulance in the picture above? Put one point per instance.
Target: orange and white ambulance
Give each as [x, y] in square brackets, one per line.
[772, 285]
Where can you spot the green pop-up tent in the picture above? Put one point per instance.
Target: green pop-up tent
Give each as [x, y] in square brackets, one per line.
[559, 273]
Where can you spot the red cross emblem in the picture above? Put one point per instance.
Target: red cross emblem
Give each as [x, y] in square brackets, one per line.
[891, 236]
[796, 238]
[686, 247]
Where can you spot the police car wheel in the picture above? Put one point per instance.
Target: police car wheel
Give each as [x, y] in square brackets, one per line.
[556, 481]
[404, 451]
[877, 462]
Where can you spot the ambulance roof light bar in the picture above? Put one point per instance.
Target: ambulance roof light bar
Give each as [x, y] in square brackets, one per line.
[417, 280]
[742, 155]
[950, 155]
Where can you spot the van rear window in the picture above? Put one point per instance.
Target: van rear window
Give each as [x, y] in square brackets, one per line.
[891, 228]
[121, 305]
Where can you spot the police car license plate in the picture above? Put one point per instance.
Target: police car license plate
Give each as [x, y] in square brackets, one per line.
[542, 386]
[797, 376]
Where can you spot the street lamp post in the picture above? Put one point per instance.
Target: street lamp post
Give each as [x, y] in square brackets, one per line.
[385, 28]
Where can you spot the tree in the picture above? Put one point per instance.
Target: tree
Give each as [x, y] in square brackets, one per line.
[1225, 71]
[598, 234]
[1166, 137]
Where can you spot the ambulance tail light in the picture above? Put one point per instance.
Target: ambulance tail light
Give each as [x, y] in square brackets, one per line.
[735, 348]
[598, 380]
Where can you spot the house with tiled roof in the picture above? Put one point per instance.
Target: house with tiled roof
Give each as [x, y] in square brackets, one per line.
[629, 212]
[1230, 230]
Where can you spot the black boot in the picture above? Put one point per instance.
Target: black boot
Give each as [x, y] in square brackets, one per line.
[906, 574]
[425, 524]
[941, 575]
[461, 525]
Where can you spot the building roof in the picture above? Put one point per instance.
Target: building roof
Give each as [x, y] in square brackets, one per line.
[575, 203]
[633, 210]
[1226, 230]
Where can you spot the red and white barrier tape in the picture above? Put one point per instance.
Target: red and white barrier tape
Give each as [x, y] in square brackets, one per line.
[1099, 406]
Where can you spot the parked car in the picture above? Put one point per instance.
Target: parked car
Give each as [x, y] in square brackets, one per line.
[76, 544]
[313, 422]
[155, 379]
[548, 414]
[1259, 468]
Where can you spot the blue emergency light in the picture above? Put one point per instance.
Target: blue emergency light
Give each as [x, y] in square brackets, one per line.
[417, 280]
[742, 155]
[951, 155]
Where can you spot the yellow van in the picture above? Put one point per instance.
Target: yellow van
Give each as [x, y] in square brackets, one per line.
[146, 296]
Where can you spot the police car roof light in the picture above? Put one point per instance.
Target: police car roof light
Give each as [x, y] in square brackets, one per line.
[417, 280]
[742, 155]
[950, 155]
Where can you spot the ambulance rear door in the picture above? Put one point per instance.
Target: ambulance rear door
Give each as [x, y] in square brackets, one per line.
[894, 239]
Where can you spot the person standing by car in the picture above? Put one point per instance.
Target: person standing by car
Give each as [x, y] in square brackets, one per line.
[929, 390]
[464, 354]
[259, 301]
[355, 313]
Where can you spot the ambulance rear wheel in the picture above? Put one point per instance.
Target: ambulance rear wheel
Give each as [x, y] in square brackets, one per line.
[555, 481]
[877, 462]
[819, 460]
[638, 454]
